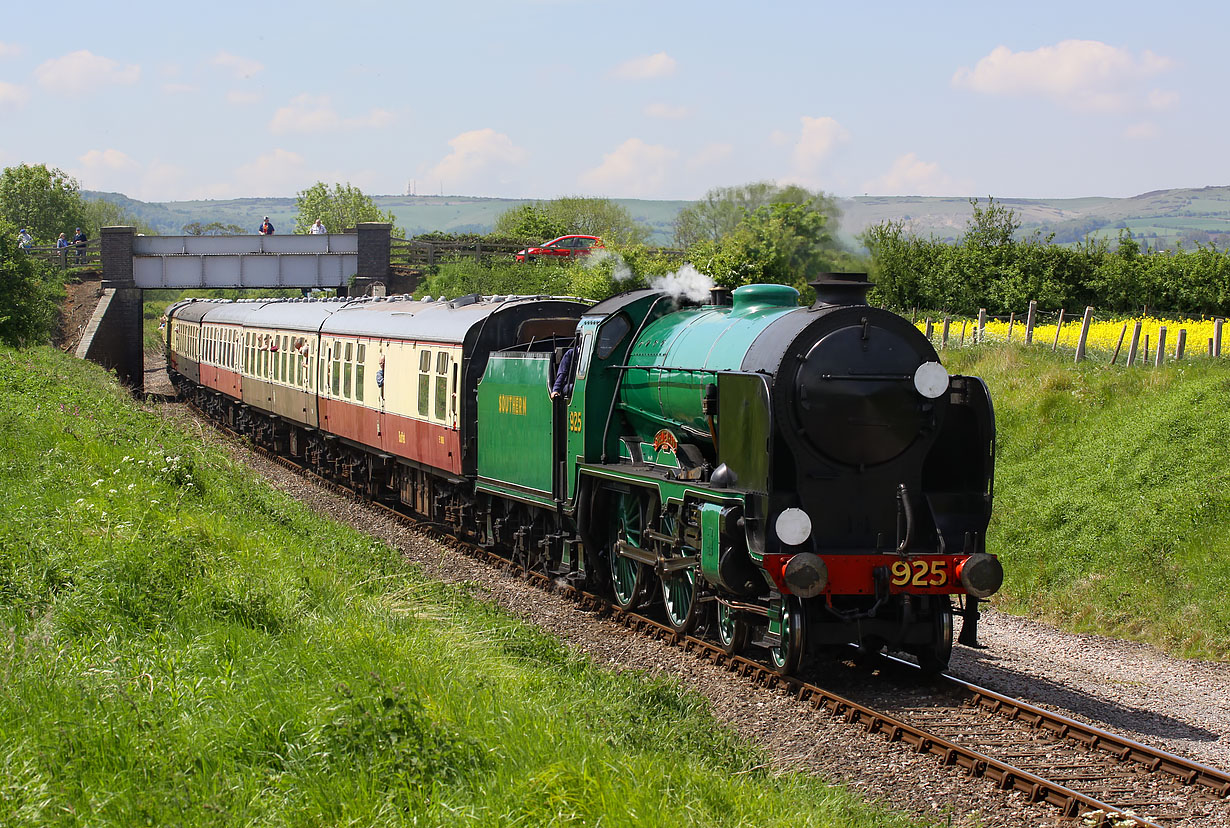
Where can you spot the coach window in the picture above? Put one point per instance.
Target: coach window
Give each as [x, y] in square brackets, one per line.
[442, 360]
[453, 396]
[360, 358]
[424, 382]
[337, 368]
[348, 369]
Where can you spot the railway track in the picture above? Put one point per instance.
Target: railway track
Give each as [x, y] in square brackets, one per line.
[1091, 775]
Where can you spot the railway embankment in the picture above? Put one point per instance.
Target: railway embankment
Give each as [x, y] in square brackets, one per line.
[1112, 503]
[185, 644]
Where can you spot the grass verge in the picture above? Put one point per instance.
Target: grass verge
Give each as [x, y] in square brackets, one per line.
[1112, 501]
[183, 645]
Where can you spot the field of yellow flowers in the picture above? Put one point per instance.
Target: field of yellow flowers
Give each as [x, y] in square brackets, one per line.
[1104, 333]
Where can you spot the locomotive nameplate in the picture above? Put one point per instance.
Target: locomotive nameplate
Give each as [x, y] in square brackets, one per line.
[512, 404]
[664, 439]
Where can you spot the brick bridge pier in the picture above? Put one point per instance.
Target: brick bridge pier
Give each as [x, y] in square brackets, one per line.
[352, 263]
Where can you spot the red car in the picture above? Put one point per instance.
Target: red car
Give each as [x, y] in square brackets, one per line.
[563, 247]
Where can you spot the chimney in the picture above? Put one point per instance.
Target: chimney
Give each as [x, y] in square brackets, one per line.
[841, 289]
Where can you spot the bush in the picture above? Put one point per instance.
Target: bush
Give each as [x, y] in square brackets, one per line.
[29, 294]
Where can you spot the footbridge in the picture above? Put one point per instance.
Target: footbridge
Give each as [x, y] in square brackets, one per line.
[350, 263]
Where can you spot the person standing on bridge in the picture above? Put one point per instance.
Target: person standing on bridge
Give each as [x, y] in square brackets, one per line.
[266, 227]
[25, 239]
[79, 240]
[318, 228]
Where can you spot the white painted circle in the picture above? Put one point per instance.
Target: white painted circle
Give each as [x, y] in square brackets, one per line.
[931, 380]
[793, 526]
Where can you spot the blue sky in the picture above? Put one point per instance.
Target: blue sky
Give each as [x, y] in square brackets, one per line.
[633, 100]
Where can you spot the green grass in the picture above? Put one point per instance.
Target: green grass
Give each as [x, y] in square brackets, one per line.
[1112, 503]
[180, 644]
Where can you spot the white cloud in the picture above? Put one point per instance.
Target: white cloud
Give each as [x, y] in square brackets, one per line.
[1143, 131]
[12, 96]
[667, 111]
[645, 68]
[111, 170]
[241, 98]
[8, 50]
[820, 136]
[308, 113]
[477, 153]
[709, 154]
[83, 71]
[1080, 74]
[910, 175]
[108, 159]
[634, 169]
[239, 67]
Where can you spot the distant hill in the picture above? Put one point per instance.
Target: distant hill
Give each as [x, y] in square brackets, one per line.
[1161, 218]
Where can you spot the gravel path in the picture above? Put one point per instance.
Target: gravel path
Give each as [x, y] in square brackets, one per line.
[1129, 688]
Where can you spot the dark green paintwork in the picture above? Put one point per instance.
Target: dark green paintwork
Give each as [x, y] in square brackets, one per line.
[515, 422]
[702, 341]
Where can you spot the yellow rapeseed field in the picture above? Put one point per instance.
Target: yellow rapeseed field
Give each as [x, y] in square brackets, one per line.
[1104, 333]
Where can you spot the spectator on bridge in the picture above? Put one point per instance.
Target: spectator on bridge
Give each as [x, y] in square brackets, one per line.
[25, 239]
[79, 240]
[318, 228]
[266, 227]
[62, 242]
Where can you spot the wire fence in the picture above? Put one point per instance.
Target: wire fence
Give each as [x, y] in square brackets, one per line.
[1144, 340]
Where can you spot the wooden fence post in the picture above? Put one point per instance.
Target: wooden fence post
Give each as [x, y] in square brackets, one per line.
[1144, 360]
[1161, 347]
[1181, 344]
[1084, 337]
[1122, 334]
[964, 324]
[981, 333]
[1029, 323]
[1135, 344]
[1011, 322]
[1058, 328]
[1217, 323]
[944, 336]
[930, 328]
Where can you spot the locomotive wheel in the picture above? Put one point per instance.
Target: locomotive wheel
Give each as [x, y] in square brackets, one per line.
[732, 631]
[788, 655]
[629, 578]
[679, 598]
[679, 591]
[933, 658]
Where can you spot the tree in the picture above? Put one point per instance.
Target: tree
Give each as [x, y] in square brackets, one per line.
[214, 228]
[721, 209]
[782, 242]
[543, 220]
[47, 201]
[28, 300]
[341, 208]
[100, 213]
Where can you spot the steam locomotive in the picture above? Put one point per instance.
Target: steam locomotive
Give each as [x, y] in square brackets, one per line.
[797, 479]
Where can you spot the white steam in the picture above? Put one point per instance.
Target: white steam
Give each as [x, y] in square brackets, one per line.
[621, 273]
[685, 283]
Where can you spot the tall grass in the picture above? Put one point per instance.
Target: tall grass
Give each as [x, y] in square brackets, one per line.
[1112, 494]
[183, 645]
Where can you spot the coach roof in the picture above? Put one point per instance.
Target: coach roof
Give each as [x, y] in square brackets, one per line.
[438, 321]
